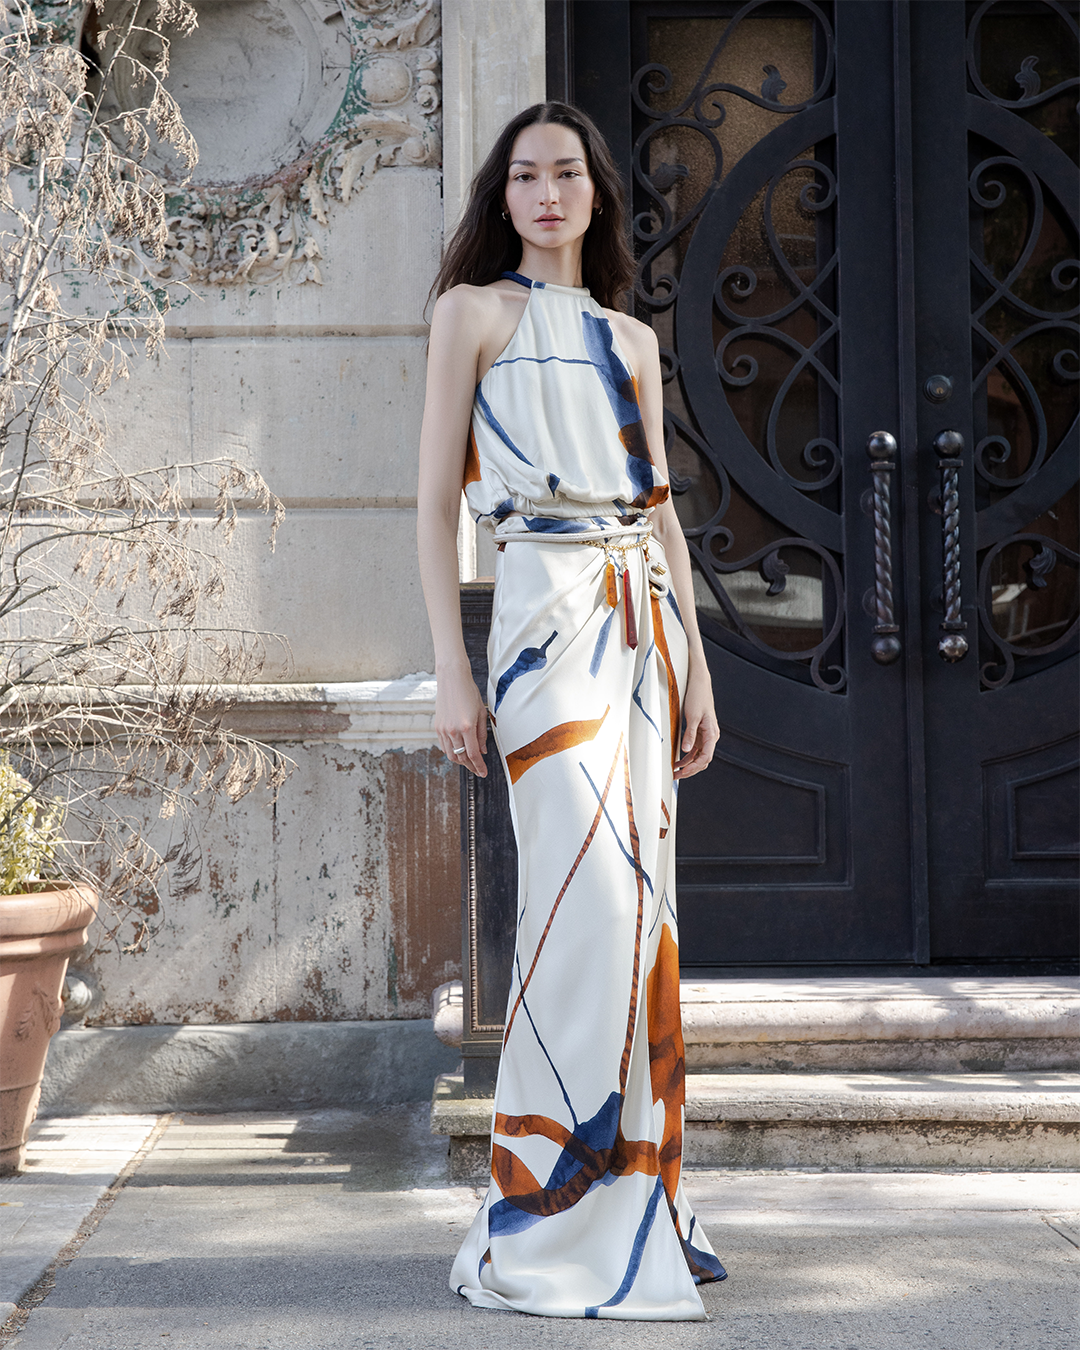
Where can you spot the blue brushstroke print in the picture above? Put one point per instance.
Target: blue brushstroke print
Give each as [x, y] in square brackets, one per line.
[614, 376]
[553, 525]
[636, 1252]
[597, 1135]
[529, 659]
[621, 395]
[601, 645]
[497, 427]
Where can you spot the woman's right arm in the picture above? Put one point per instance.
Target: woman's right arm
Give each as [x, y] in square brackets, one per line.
[457, 327]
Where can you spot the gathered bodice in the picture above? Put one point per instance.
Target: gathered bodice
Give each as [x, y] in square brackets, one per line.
[556, 429]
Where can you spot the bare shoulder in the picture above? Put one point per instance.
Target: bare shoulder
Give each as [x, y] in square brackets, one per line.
[636, 339]
[478, 310]
[462, 304]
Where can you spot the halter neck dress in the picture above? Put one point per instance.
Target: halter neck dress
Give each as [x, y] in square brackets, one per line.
[585, 1214]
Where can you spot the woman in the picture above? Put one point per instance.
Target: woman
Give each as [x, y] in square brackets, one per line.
[544, 400]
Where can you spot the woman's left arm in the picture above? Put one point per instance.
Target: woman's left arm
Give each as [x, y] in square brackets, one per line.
[700, 728]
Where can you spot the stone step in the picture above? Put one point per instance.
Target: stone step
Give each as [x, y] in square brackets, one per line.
[860, 1121]
[842, 1122]
[864, 1025]
[904, 1025]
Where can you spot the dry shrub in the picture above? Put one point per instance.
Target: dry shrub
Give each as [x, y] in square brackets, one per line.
[114, 677]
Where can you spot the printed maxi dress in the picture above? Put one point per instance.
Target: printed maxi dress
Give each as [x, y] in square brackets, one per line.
[585, 1214]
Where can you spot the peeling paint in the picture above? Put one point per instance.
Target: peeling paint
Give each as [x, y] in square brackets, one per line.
[338, 904]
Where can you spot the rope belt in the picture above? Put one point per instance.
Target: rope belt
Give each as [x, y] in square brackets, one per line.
[616, 564]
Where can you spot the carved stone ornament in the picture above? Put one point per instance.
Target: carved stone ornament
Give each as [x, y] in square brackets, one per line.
[311, 98]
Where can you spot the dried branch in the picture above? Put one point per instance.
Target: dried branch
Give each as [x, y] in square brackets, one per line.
[114, 676]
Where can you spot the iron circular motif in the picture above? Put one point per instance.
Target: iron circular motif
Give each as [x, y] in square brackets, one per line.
[938, 388]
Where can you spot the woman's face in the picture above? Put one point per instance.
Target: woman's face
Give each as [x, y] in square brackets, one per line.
[549, 193]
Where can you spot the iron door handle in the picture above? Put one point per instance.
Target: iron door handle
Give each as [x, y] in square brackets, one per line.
[885, 647]
[952, 645]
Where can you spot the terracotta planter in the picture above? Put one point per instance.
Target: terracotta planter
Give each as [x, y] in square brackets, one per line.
[38, 934]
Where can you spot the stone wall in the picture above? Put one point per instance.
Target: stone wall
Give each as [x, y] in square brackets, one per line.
[345, 135]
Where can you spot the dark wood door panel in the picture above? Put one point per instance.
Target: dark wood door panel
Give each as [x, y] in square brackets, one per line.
[782, 817]
[779, 925]
[825, 197]
[996, 222]
[1031, 803]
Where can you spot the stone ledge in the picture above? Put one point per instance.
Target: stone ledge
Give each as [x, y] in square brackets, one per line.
[872, 1146]
[368, 715]
[240, 1066]
[870, 1025]
[879, 1009]
[453, 1113]
[1016, 1122]
[883, 1097]
[985, 1098]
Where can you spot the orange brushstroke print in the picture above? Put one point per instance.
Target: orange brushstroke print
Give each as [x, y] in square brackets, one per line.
[552, 742]
[635, 847]
[472, 462]
[562, 890]
[674, 702]
[518, 1184]
[667, 1058]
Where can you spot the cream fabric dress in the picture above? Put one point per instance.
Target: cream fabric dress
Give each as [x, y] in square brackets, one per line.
[585, 1215]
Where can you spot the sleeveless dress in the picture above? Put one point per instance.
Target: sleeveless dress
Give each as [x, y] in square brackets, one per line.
[585, 1214]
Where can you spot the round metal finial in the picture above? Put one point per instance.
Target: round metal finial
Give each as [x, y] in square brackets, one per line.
[952, 646]
[885, 649]
[949, 444]
[881, 445]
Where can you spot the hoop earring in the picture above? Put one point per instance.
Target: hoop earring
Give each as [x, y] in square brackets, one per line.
[598, 210]
[506, 215]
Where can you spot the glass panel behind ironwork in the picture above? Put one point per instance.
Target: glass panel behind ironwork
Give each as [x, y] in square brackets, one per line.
[1025, 259]
[711, 93]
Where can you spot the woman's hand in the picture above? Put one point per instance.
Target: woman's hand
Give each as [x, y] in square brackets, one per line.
[461, 719]
[701, 730]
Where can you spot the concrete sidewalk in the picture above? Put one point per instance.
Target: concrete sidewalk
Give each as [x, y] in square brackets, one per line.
[331, 1229]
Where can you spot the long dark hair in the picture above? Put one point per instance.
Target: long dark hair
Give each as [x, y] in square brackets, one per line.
[484, 245]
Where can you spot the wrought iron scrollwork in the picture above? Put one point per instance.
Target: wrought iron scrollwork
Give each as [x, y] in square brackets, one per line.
[774, 479]
[702, 113]
[885, 647]
[998, 673]
[952, 645]
[1012, 294]
[1026, 78]
[1025, 280]
[821, 452]
[707, 541]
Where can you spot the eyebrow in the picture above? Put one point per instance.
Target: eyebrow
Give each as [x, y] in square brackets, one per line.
[531, 163]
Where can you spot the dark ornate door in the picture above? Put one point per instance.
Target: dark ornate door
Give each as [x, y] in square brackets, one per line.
[852, 219]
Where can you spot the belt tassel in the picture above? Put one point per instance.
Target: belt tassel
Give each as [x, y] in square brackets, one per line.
[628, 612]
[610, 588]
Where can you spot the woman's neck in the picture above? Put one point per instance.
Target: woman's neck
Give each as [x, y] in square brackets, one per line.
[557, 266]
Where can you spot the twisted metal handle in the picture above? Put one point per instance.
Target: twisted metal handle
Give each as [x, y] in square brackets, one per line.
[885, 648]
[952, 645]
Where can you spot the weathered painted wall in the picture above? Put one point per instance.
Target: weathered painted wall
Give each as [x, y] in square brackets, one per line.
[320, 907]
[340, 901]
